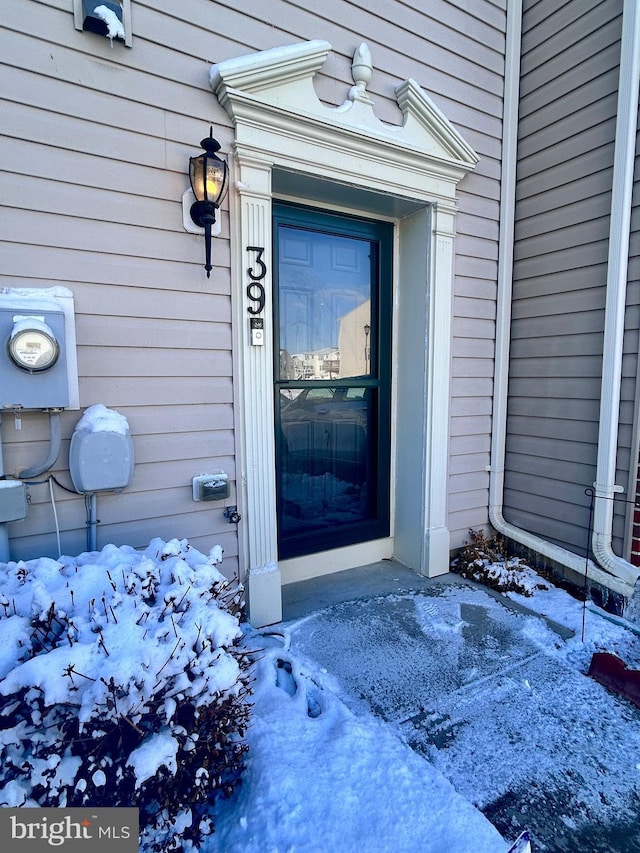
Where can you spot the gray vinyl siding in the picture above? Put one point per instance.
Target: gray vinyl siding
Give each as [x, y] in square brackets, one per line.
[629, 430]
[569, 82]
[93, 151]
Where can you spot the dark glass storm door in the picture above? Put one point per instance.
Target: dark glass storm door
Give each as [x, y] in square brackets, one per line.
[332, 333]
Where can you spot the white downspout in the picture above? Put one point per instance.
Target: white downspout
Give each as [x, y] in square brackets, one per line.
[623, 167]
[503, 323]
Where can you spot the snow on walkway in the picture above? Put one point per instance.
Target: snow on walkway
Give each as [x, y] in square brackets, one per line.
[321, 779]
[498, 702]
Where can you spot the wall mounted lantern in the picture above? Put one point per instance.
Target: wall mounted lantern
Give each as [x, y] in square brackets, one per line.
[209, 175]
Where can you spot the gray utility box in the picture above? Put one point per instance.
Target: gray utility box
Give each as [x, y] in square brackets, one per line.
[13, 500]
[33, 355]
[100, 461]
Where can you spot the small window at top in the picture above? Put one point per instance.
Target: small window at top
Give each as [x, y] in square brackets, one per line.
[105, 18]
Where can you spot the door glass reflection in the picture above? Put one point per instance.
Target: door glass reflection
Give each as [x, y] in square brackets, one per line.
[324, 305]
[326, 459]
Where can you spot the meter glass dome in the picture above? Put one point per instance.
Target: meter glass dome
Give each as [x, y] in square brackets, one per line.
[33, 350]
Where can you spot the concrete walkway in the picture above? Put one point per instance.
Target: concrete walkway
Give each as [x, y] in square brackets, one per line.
[484, 690]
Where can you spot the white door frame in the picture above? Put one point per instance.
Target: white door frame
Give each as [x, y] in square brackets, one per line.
[289, 143]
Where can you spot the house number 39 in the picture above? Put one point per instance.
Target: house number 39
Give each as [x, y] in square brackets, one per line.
[255, 289]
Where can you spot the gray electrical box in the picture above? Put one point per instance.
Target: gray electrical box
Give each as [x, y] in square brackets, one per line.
[13, 500]
[100, 460]
[38, 368]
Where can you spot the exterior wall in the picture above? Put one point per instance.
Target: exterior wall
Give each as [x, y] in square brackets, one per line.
[629, 438]
[95, 145]
[480, 62]
[570, 57]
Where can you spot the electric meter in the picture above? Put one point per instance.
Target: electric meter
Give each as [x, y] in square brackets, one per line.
[38, 363]
[32, 345]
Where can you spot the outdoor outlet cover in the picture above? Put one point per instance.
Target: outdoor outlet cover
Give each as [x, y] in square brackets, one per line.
[210, 487]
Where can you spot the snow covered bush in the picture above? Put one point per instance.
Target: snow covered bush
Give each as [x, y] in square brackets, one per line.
[121, 684]
[486, 559]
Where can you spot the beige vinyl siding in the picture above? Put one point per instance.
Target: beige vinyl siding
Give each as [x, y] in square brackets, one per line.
[480, 119]
[93, 151]
[569, 85]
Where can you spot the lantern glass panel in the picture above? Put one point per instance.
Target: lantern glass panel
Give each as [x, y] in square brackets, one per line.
[208, 177]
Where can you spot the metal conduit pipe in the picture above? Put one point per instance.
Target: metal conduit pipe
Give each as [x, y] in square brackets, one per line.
[503, 327]
[92, 522]
[55, 442]
[623, 167]
[4, 529]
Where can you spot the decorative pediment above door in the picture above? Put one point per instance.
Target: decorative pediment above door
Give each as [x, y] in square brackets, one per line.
[271, 97]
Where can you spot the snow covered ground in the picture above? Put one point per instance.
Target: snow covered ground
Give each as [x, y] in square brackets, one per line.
[326, 774]
[321, 778]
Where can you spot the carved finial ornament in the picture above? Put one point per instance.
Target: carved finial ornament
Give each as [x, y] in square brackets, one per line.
[361, 71]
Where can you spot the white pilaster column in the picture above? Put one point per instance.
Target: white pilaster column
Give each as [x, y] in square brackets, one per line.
[437, 538]
[254, 274]
[424, 309]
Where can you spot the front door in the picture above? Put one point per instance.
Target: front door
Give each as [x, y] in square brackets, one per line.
[332, 381]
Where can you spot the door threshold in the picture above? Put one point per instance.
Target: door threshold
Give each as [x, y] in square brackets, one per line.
[339, 560]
